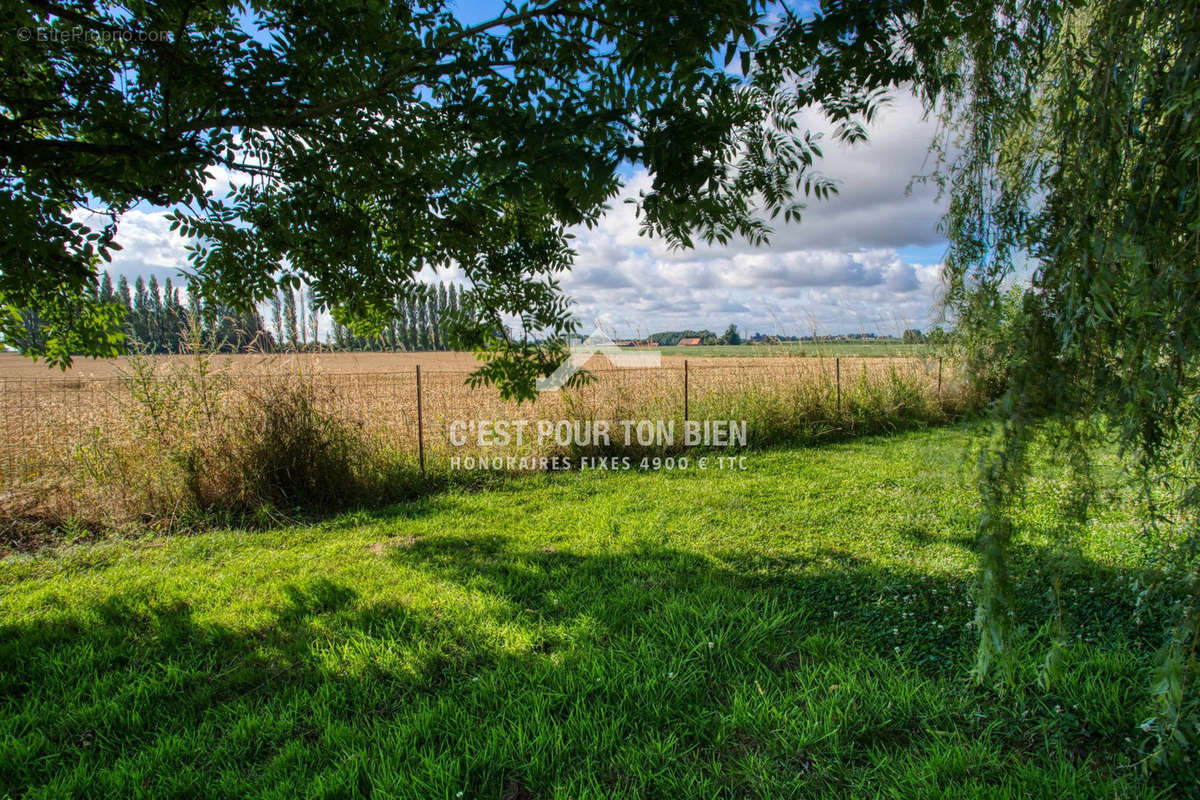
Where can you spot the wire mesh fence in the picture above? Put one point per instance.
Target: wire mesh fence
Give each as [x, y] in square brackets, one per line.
[49, 422]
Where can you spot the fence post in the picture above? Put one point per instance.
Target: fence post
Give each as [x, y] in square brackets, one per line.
[420, 425]
[9, 443]
[837, 366]
[685, 390]
[939, 381]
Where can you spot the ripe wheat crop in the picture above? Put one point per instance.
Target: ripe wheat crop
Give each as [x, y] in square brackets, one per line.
[158, 436]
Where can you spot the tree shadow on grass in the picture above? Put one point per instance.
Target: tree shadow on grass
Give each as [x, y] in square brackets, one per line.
[651, 671]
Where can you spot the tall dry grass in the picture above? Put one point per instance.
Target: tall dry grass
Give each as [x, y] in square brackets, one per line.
[182, 442]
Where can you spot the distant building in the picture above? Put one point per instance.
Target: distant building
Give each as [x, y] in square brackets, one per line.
[691, 341]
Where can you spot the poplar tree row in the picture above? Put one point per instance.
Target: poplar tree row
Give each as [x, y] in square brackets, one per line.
[157, 321]
[161, 319]
[417, 323]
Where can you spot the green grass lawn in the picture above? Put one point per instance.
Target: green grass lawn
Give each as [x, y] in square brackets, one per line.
[827, 349]
[799, 629]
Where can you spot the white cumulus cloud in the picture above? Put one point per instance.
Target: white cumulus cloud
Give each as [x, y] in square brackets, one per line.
[867, 260]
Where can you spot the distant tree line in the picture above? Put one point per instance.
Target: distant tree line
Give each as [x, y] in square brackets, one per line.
[916, 336]
[166, 318]
[671, 338]
[733, 337]
[156, 320]
[416, 323]
[706, 337]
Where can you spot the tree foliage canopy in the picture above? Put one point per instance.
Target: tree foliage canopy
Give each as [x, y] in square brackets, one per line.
[1070, 156]
[367, 141]
[1072, 161]
[1081, 154]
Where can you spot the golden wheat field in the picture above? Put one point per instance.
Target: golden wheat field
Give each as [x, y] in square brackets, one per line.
[13, 365]
[55, 419]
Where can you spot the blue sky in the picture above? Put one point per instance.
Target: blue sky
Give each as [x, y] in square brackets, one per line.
[473, 12]
[866, 261]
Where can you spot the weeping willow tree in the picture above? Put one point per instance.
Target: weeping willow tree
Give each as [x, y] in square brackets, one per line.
[1069, 154]
[1071, 163]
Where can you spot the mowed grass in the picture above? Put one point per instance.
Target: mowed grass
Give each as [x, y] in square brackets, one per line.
[798, 629]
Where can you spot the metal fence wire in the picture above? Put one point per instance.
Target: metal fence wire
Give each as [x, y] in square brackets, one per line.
[49, 423]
